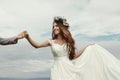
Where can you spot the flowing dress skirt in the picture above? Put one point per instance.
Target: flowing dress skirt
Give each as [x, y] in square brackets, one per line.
[96, 63]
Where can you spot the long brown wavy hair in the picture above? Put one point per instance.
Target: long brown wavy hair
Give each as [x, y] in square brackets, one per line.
[66, 35]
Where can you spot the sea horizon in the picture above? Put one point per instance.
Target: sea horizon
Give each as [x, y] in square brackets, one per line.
[25, 78]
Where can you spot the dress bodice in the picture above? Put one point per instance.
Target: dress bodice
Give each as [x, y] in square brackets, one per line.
[58, 50]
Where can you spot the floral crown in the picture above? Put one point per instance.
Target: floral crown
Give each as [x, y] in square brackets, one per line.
[61, 20]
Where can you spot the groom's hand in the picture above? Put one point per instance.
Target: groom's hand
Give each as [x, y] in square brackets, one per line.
[20, 35]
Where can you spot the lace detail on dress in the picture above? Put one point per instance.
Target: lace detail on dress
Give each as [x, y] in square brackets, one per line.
[57, 49]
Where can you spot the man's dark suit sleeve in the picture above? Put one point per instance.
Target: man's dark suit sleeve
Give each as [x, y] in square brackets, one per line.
[8, 41]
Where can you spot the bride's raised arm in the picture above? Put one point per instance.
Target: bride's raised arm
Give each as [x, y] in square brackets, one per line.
[34, 43]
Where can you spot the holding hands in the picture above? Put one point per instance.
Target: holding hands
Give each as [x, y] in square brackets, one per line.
[13, 40]
[22, 35]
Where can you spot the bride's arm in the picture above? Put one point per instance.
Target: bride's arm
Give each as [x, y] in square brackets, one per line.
[36, 44]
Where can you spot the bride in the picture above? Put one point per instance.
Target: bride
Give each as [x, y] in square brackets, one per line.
[92, 63]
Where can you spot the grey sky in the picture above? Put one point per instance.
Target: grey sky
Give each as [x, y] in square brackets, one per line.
[91, 21]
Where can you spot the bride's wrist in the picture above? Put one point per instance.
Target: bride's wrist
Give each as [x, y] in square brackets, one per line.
[27, 36]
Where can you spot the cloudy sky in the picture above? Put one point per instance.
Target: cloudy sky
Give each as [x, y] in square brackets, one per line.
[91, 21]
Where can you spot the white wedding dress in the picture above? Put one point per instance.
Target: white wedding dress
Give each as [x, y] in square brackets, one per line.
[96, 63]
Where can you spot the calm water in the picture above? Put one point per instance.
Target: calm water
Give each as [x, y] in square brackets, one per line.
[24, 79]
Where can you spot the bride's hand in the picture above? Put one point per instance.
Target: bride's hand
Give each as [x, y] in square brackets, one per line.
[26, 35]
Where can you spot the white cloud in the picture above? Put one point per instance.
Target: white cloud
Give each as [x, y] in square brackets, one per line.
[21, 68]
[92, 17]
[98, 18]
[37, 15]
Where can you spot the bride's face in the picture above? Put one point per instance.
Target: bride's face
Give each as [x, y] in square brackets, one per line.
[56, 29]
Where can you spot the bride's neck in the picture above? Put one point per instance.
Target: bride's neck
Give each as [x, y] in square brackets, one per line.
[59, 37]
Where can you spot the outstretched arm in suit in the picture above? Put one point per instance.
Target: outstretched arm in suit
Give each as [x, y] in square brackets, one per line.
[12, 40]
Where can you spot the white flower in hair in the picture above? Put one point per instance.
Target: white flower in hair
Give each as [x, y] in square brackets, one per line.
[57, 18]
[65, 22]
